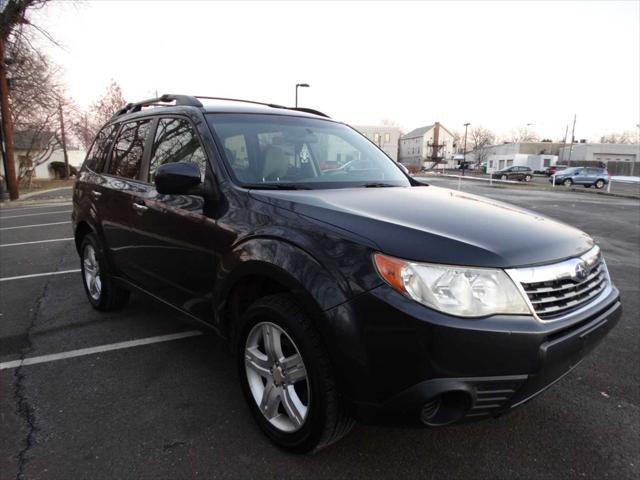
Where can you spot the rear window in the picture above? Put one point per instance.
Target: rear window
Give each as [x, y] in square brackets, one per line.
[100, 149]
[128, 150]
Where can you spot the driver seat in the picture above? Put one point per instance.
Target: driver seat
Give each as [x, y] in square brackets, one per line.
[276, 163]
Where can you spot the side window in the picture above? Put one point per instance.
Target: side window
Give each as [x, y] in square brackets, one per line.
[100, 149]
[176, 141]
[128, 150]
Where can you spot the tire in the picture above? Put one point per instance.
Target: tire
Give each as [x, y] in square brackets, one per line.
[527, 178]
[568, 182]
[599, 184]
[503, 177]
[101, 291]
[302, 415]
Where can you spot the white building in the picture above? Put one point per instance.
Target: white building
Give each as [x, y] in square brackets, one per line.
[535, 155]
[427, 146]
[620, 158]
[385, 137]
[27, 148]
[537, 163]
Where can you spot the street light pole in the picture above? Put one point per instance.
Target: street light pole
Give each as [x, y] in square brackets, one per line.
[464, 151]
[303, 85]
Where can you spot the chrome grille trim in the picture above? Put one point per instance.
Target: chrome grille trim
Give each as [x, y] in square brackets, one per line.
[554, 292]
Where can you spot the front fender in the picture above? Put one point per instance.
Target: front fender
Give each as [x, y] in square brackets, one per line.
[286, 264]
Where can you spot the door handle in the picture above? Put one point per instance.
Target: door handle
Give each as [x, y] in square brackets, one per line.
[139, 207]
[96, 193]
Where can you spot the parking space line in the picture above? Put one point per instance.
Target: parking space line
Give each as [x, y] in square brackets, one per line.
[36, 241]
[32, 275]
[35, 214]
[99, 349]
[31, 207]
[38, 225]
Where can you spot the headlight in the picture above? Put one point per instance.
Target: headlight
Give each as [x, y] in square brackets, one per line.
[460, 291]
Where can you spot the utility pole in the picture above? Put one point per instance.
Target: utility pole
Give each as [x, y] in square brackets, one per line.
[573, 138]
[7, 128]
[464, 151]
[63, 140]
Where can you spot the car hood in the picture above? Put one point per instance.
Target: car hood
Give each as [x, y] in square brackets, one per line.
[438, 225]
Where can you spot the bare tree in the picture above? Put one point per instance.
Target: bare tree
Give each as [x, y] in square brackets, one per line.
[522, 134]
[36, 104]
[627, 136]
[85, 125]
[13, 17]
[480, 138]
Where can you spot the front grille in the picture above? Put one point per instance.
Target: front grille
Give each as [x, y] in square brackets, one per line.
[564, 291]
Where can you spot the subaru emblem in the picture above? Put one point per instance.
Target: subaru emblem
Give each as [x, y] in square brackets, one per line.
[580, 272]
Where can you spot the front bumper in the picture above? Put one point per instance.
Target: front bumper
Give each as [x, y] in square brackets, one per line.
[393, 356]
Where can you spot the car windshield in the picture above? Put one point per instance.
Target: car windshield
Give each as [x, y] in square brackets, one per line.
[277, 151]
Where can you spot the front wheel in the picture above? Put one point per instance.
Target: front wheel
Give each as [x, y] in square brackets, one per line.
[600, 184]
[503, 177]
[101, 291]
[527, 178]
[568, 182]
[287, 378]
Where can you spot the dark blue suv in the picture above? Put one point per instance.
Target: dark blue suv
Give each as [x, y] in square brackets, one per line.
[346, 289]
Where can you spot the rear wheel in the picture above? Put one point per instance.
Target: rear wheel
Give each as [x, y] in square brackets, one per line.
[527, 178]
[599, 184]
[101, 291]
[287, 377]
[568, 182]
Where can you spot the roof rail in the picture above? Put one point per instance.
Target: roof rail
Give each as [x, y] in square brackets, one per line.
[183, 100]
[192, 101]
[309, 110]
[272, 105]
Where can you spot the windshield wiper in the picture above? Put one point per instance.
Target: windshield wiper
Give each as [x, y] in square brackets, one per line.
[377, 185]
[275, 186]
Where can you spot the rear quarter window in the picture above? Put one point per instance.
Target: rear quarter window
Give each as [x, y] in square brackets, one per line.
[98, 152]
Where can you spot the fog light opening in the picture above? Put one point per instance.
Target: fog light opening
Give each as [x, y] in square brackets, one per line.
[446, 408]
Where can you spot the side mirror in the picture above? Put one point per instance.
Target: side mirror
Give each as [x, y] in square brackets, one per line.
[403, 168]
[178, 178]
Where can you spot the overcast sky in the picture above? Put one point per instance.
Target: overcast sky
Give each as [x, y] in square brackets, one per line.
[497, 64]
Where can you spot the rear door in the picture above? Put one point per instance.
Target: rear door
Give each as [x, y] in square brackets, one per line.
[175, 240]
[122, 185]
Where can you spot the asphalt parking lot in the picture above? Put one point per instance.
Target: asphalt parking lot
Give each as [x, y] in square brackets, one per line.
[631, 189]
[174, 409]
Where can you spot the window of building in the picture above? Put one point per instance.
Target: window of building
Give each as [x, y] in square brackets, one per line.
[176, 141]
[387, 138]
[129, 149]
[376, 138]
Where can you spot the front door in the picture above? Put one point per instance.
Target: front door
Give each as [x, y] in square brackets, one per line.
[175, 258]
[581, 177]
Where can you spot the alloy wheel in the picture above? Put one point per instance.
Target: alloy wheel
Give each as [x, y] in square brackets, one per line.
[277, 377]
[91, 271]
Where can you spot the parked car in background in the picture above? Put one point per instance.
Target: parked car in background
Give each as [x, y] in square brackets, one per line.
[514, 173]
[338, 300]
[587, 176]
[553, 169]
